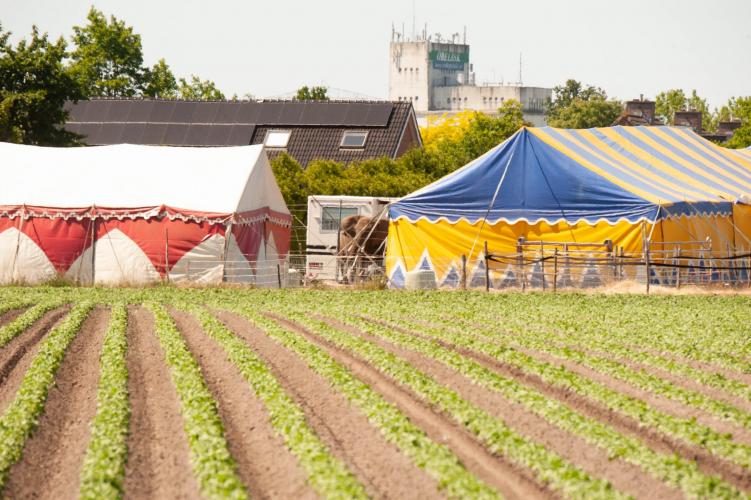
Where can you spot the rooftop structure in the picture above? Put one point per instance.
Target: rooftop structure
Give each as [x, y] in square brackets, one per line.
[343, 131]
[435, 75]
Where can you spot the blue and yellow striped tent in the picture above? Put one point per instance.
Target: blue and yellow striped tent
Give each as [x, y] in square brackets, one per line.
[588, 185]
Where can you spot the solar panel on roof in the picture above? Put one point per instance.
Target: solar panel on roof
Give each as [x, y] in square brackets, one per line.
[226, 112]
[96, 111]
[197, 135]
[270, 113]
[118, 111]
[205, 112]
[219, 135]
[247, 112]
[322, 113]
[140, 111]
[290, 113]
[356, 115]
[162, 111]
[240, 135]
[175, 134]
[183, 112]
[76, 112]
[109, 133]
[153, 133]
[379, 114]
[90, 132]
[132, 133]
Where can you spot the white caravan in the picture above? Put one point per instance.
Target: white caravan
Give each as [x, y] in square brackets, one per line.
[324, 214]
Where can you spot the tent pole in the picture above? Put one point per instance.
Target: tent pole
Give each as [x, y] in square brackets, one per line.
[487, 269]
[93, 249]
[227, 236]
[166, 254]
[18, 243]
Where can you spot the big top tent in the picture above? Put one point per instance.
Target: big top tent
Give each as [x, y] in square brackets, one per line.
[131, 214]
[622, 184]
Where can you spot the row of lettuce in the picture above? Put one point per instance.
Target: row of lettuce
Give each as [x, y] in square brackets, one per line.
[461, 335]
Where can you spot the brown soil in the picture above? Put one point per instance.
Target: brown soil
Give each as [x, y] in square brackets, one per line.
[158, 455]
[59, 444]
[17, 354]
[624, 476]
[708, 463]
[264, 463]
[10, 316]
[689, 384]
[511, 481]
[379, 465]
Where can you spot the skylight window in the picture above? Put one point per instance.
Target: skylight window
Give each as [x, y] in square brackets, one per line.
[277, 138]
[353, 140]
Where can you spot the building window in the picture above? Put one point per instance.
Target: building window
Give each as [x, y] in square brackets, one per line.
[353, 140]
[330, 216]
[277, 138]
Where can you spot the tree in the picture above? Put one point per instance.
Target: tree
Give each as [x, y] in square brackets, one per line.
[160, 82]
[575, 105]
[315, 93]
[740, 109]
[34, 85]
[199, 90]
[108, 57]
[670, 101]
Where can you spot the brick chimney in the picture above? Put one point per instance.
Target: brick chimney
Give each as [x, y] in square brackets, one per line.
[643, 108]
[728, 127]
[688, 119]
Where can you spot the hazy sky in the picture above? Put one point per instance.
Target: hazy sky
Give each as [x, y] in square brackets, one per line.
[270, 48]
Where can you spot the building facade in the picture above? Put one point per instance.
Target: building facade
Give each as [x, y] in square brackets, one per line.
[436, 76]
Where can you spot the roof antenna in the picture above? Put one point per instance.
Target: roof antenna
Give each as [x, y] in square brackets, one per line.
[414, 20]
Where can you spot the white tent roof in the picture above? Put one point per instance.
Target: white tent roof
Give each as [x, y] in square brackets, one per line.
[219, 179]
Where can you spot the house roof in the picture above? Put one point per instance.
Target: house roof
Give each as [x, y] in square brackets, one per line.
[316, 127]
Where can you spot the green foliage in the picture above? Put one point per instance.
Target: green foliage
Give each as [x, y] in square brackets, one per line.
[670, 101]
[313, 93]
[108, 57]
[214, 467]
[20, 417]
[575, 105]
[739, 108]
[104, 464]
[396, 428]
[328, 476]
[34, 85]
[160, 81]
[198, 90]
[25, 320]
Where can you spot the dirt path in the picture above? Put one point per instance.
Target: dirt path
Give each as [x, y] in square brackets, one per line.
[17, 354]
[708, 463]
[380, 466]
[264, 463]
[158, 456]
[11, 315]
[511, 481]
[59, 444]
[623, 476]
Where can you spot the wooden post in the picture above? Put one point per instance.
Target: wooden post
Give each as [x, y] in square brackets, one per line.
[464, 272]
[555, 270]
[542, 264]
[487, 269]
[166, 254]
[678, 270]
[338, 239]
[187, 272]
[93, 250]
[279, 275]
[646, 264]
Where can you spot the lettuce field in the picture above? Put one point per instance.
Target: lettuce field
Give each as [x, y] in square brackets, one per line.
[223, 393]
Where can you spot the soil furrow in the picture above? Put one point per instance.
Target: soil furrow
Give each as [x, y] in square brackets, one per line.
[17, 354]
[379, 465]
[622, 475]
[510, 480]
[158, 455]
[264, 463]
[59, 444]
[11, 315]
[707, 462]
[655, 401]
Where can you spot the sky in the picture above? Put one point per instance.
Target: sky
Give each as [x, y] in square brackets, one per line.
[270, 48]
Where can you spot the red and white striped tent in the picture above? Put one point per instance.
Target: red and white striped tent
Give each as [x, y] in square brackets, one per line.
[131, 214]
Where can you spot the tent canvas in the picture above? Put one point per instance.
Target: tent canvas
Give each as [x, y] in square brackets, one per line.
[615, 183]
[132, 214]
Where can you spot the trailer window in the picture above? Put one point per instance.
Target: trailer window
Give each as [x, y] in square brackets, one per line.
[330, 217]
